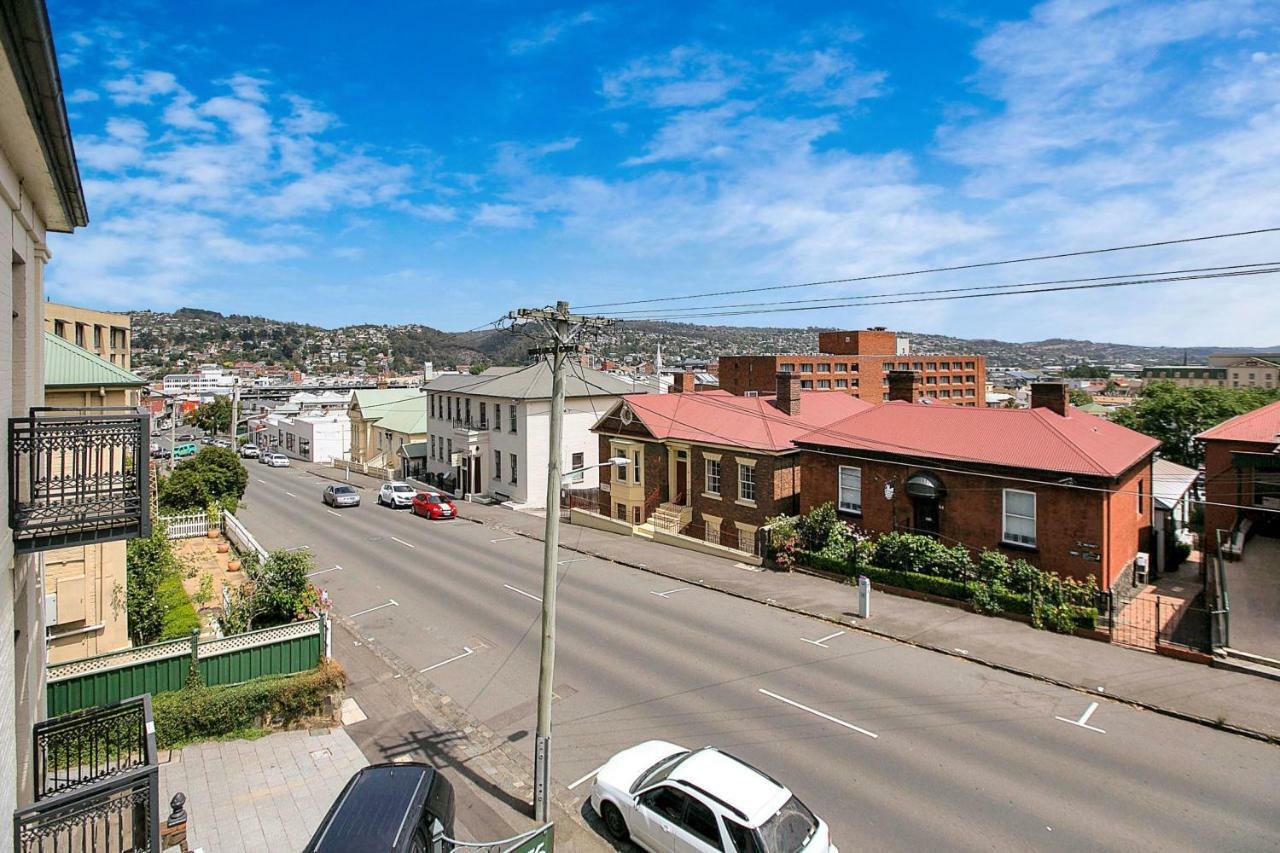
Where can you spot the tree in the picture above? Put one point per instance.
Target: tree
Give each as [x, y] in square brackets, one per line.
[147, 562]
[213, 417]
[185, 490]
[1080, 397]
[1087, 371]
[215, 474]
[1176, 415]
[274, 593]
[478, 367]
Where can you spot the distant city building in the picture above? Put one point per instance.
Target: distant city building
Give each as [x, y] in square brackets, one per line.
[209, 381]
[858, 363]
[1253, 370]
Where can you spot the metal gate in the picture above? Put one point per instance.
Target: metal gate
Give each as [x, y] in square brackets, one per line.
[1149, 621]
[1135, 621]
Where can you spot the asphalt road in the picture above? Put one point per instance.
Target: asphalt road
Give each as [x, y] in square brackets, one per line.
[898, 748]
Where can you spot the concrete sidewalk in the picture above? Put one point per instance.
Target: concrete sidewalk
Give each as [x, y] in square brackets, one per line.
[1214, 697]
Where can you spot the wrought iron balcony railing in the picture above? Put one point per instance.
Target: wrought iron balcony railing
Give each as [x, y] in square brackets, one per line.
[97, 783]
[78, 476]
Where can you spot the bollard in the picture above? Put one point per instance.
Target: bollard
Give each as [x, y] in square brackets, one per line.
[864, 597]
[174, 831]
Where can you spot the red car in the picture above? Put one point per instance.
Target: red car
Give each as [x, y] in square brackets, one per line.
[429, 505]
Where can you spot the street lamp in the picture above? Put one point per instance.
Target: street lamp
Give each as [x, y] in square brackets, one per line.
[615, 461]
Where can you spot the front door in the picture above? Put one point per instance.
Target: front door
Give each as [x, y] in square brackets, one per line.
[682, 478]
[926, 516]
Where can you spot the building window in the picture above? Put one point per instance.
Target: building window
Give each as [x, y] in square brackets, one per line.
[80, 335]
[304, 447]
[917, 365]
[449, 408]
[433, 405]
[433, 447]
[850, 484]
[1019, 517]
[944, 365]
[713, 476]
[515, 478]
[450, 459]
[968, 365]
[824, 383]
[484, 416]
[511, 418]
[888, 365]
[635, 466]
[842, 383]
[806, 368]
[497, 416]
[620, 511]
[824, 368]
[97, 337]
[931, 380]
[60, 328]
[576, 463]
[747, 483]
[711, 529]
[1141, 496]
[841, 367]
[931, 365]
[622, 468]
[787, 367]
[806, 383]
[497, 464]
[467, 418]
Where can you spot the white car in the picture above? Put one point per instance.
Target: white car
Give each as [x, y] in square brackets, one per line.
[278, 460]
[396, 494]
[249, 451]
[668, 799]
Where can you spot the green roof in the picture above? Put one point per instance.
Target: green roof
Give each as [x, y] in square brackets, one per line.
[69, 366]
[402, 410]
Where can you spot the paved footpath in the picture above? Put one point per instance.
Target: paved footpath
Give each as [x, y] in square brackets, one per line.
[1230, 700]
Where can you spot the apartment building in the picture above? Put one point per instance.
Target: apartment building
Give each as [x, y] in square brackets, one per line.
[207, 382]
[859, 362]
[489, 434]
[40, 188]
[1225, 370]
[106, 334]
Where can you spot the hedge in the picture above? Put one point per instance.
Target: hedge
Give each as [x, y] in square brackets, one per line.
[196, 714]
[180, 615]
[1084, 617]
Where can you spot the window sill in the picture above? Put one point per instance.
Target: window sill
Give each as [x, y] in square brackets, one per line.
[714, 496]
[1019, 546]
[857, 513]
[741, 502]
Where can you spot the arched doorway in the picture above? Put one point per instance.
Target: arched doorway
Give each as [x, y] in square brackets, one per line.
[926, 492]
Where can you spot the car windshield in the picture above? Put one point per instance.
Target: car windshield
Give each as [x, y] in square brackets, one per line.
[432, 499]
[659, 771]
[790, 829]
[343, 490]
[402, 487]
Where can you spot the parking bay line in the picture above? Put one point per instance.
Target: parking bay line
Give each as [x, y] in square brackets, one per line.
[331, 512]
[522, 592]
[466, 650]
[1083, 722]
[823, 642]
[669, 592]
[817, 713]
[504, 539]
[291, 494]
[322, 571]
[404, 543]
[389, 603]
[573, 785]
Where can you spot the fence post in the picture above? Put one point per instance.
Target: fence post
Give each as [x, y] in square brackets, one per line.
[193, 668]
[1159, 624]
[326, 634]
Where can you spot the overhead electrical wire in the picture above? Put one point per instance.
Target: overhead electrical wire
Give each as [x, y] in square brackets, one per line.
[930, 270]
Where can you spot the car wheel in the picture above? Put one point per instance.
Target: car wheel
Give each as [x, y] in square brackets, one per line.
[614, 823]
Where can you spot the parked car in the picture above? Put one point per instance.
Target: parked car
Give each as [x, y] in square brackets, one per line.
[183, 450]
[666, 798]
[389, 808]
[264, 456]
[158, 452]
[431, 505]
[279, 460]
[340, 494]
[186, 436]
[249, 451]
[396, 494]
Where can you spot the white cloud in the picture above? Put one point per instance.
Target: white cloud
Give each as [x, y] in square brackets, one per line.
[82, 96]
[503, 216]
[683, 77]
[141, 88]
[550, 31]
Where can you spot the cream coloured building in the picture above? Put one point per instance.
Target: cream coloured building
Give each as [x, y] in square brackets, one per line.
[383, 420]
[106, 334]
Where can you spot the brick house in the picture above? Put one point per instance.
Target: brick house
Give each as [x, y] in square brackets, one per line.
[1068, 492]
[859, 362]
[707, 463]
[1242, 475]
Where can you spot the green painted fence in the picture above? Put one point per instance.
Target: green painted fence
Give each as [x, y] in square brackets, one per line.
[158, 668]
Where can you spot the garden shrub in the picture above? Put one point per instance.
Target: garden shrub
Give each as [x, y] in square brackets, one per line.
[274, 592]
[820, 527]
[195, 714]
[179, 614]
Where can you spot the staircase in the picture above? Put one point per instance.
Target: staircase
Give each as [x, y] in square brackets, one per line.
[671, 518]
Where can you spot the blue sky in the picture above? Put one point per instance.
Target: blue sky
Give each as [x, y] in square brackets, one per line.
[443, 163]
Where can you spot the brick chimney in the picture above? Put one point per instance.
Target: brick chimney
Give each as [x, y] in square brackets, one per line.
[788, 392]
[904, 385]
[1050, 395]
[685, 383]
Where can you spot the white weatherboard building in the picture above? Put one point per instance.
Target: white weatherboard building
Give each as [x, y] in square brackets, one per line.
[311, 437]
[489, 434]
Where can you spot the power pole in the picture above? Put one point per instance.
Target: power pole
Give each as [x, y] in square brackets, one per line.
[235, 412]
[563, 329]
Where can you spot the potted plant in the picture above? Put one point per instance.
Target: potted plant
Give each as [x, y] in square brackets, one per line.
[213, 514]
[233, 565]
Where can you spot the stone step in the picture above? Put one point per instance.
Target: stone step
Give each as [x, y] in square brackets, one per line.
[1250, 657]
[1247, 667]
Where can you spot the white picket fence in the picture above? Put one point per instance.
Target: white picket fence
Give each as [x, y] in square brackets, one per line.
[188, 525]
[240, 537]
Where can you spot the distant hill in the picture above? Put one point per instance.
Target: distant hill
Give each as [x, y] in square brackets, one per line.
[190, 336]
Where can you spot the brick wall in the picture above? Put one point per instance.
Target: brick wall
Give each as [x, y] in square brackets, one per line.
[1225, 485]
[1067, 520]
[859, 342]
[863, 376]
[777, 481]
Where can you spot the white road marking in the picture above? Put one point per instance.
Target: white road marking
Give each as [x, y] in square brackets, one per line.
[404, 543]
[466, 650]
[1083, 722]
[260, 480]
[322, 571]
[585, 778]
[298, 548]
[816, 713]
[961, 651]
[669, 592]
[823, 642]
[522, 592]
[574, 560]
[504, 539]
[291, 494]
[390, 603]
[331, 512]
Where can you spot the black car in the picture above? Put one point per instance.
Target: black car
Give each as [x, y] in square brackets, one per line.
[389, 808]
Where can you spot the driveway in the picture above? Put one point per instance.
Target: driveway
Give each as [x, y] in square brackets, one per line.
[1253, 589]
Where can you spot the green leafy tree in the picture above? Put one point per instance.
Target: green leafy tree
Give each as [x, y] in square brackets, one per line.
[213, 417]
[1174, 415]
[222, 470]
[185, 490]
[1080, 397]
[1087, 371]
[274, 592]
[147, 563]
[479, 367]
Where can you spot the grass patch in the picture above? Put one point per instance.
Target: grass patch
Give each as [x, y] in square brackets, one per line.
[180, 615]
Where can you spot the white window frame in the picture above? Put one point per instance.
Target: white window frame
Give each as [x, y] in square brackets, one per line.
[743, 481]
[707, 461]
[1004, 518]
[840, 489]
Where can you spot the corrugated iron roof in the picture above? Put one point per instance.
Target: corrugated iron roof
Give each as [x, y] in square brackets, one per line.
[1262, 425]
[69, 366]
[1035, 439]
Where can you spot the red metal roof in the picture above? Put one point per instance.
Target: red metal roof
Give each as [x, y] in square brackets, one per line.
[1034, 439]
[752, 423]
[1259, 425]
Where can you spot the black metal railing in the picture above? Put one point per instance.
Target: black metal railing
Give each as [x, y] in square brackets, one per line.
[85, 747]
[78, 476]
[97, 783]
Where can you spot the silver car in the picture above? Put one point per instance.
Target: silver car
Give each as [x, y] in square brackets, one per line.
[279, 460]
[340, 494]
[396, 494]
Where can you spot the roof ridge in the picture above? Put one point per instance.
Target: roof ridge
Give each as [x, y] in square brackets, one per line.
[1044, 415]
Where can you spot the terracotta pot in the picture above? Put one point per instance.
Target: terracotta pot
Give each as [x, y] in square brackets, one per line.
[213, 533]
[233, 565]
[223, 547]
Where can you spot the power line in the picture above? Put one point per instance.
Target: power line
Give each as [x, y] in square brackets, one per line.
[952, 268]
[851, 303]
[842, 301]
